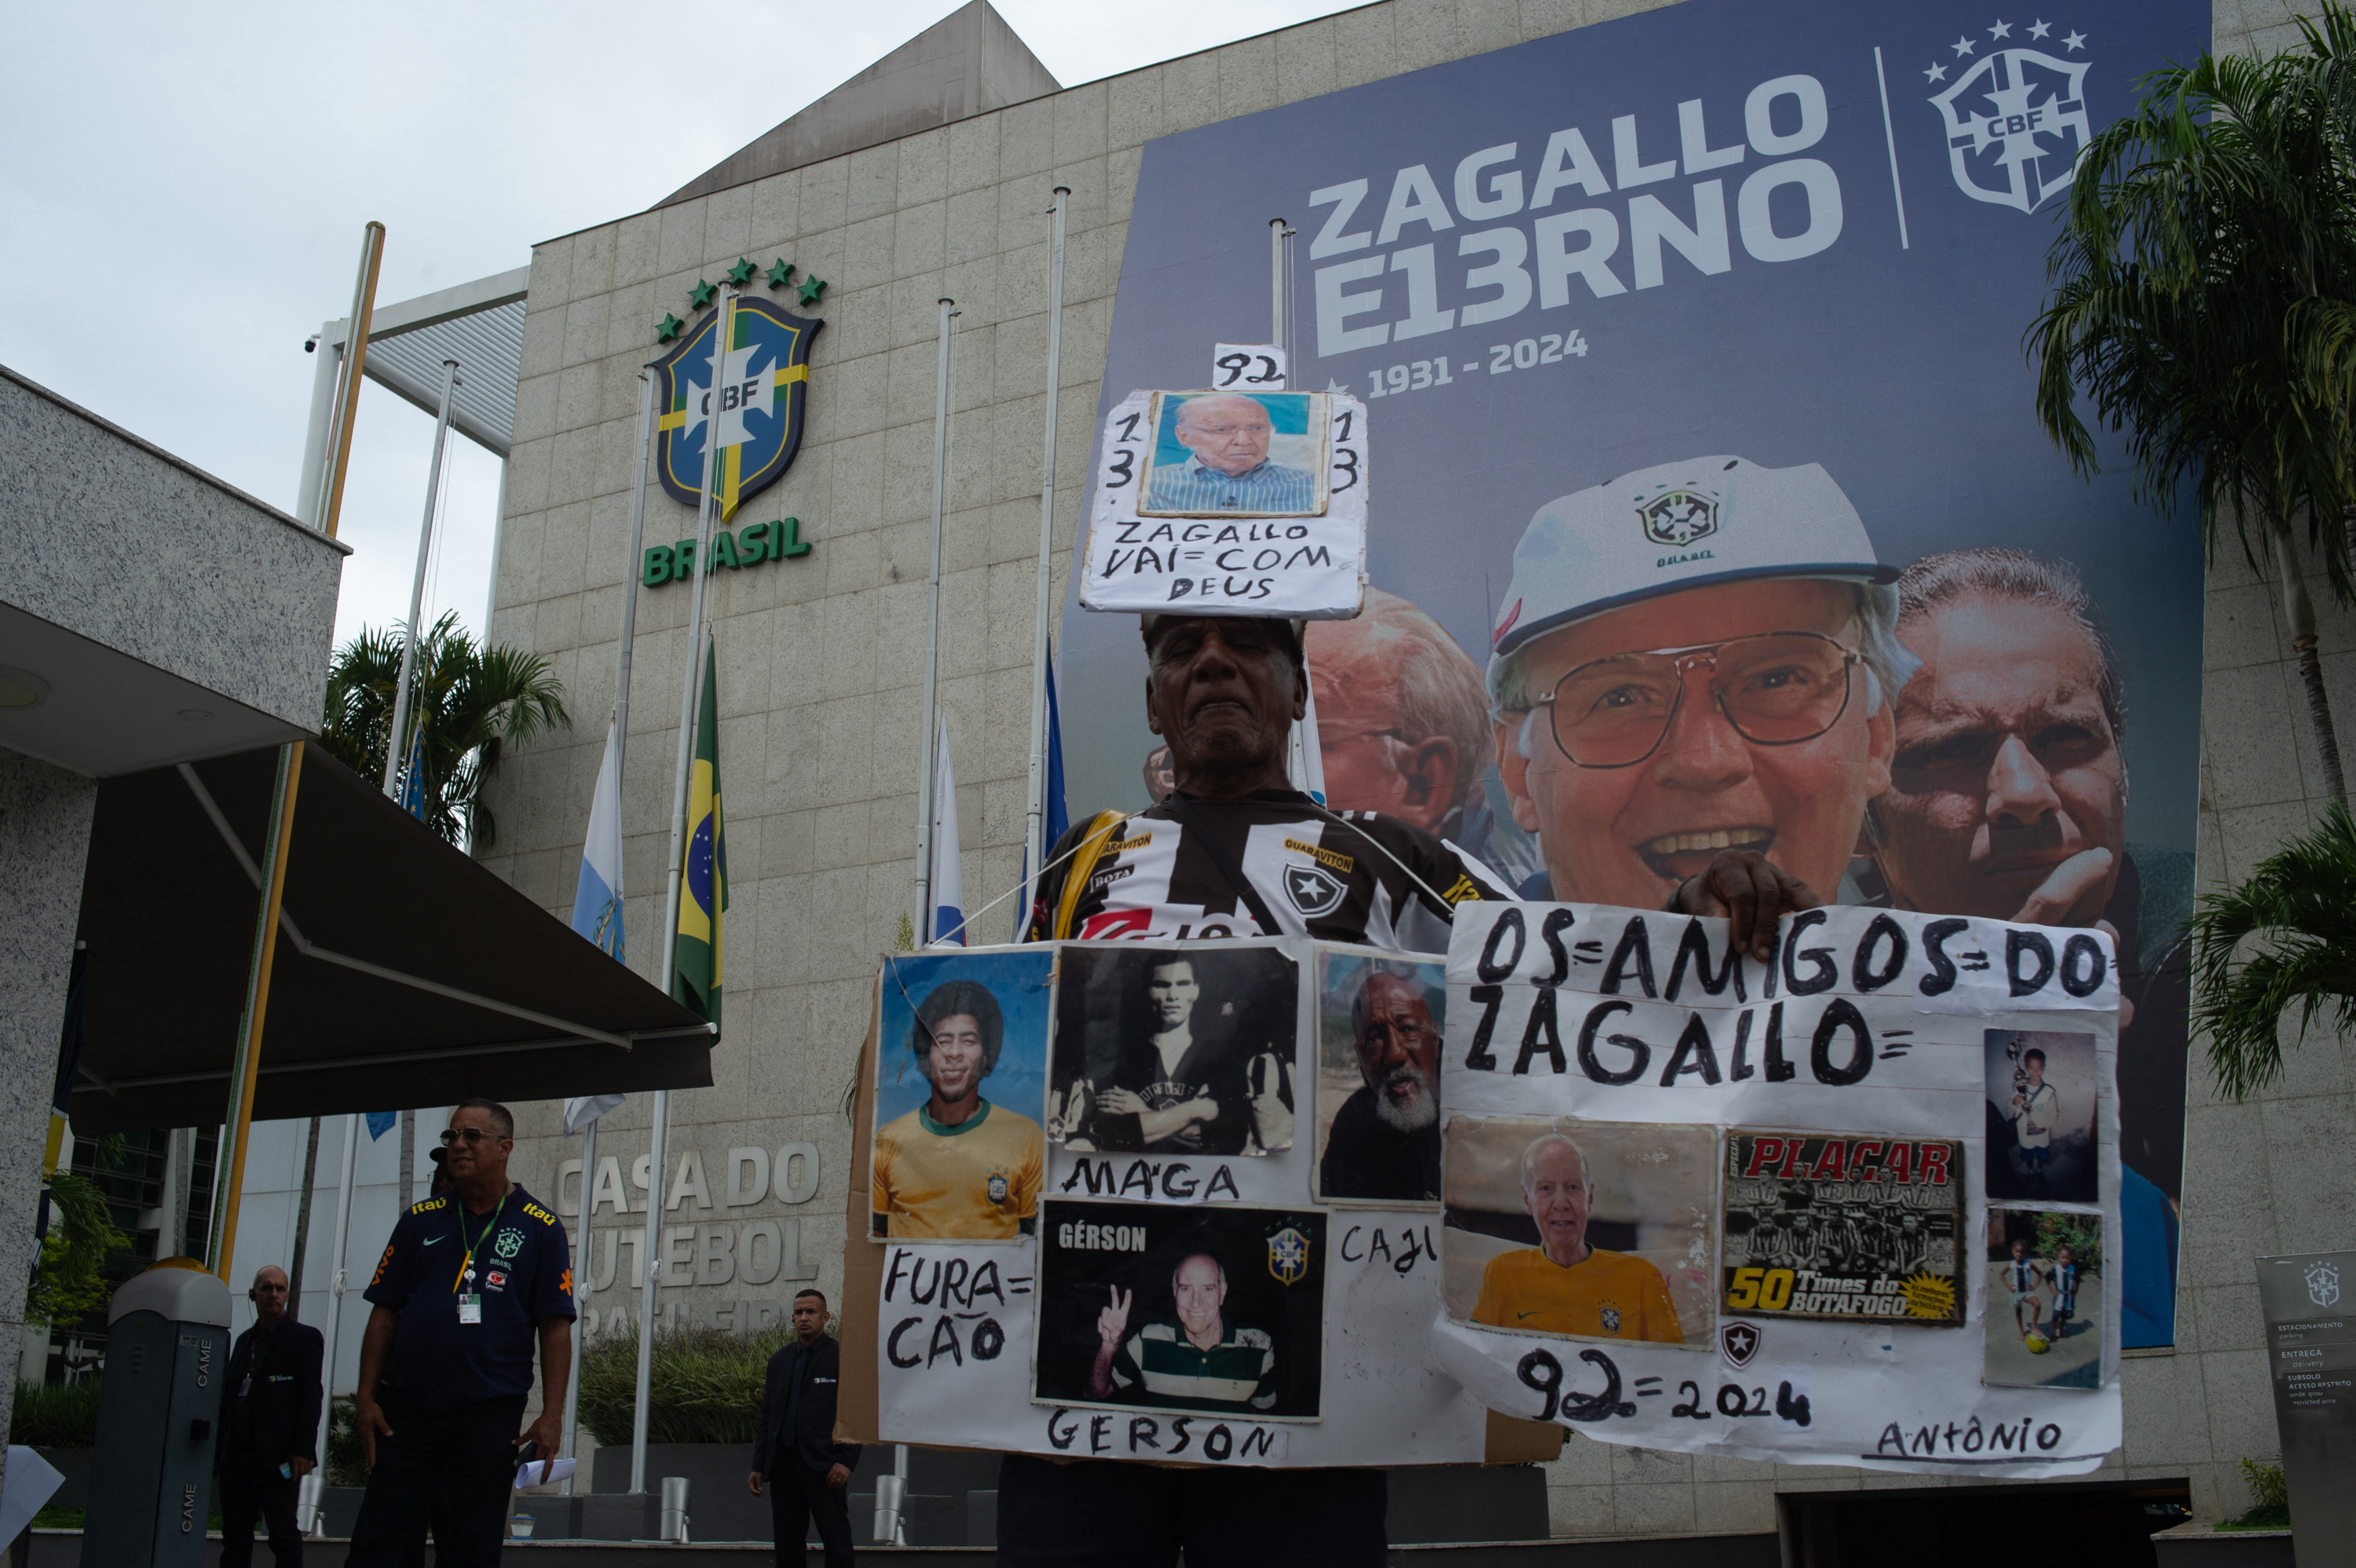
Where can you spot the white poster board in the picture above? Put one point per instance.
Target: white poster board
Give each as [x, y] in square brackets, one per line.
[1285, 537]
[985, 1344]
[1839, 1081]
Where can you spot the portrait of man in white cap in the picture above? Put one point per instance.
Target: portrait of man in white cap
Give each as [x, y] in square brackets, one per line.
[1694, 671]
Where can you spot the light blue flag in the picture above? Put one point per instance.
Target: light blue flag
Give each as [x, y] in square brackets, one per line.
[597, 899]
[412, 782]
[1055, 820]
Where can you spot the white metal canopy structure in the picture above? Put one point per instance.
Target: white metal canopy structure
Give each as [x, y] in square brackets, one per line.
[477, 323]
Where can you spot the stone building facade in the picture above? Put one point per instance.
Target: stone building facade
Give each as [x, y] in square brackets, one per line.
[820, 674]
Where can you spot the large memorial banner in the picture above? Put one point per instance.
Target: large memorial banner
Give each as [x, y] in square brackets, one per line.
[1713, 509]
[1699, 1202]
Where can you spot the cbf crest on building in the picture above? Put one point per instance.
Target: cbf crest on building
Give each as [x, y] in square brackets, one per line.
[764, 394]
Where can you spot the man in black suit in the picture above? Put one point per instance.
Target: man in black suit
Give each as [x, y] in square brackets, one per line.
[270, 1425]
[796, 1460]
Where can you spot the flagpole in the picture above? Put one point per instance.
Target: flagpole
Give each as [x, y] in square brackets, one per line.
[649, 1258]
[923, 928]
[307, 1517]
[1035, 844]
[584, 1270]
[693, 654]
[632, 574]
[394, 749]
[230, 1153]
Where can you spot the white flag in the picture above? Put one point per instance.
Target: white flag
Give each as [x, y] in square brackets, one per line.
[580, 1113]
[947, 881]
[597, 897]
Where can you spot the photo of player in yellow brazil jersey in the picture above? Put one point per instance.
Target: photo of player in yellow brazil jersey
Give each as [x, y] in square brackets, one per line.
[957, 1168]
[1563, 1286]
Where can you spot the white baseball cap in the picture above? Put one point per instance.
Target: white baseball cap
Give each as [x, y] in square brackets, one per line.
[1679, 526]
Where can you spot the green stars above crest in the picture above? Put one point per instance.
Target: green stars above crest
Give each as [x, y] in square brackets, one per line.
[779, 272]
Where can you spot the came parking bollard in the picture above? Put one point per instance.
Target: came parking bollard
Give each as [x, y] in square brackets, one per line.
[167, 1352]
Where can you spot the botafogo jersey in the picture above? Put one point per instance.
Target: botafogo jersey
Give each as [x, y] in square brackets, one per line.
[1355, 876]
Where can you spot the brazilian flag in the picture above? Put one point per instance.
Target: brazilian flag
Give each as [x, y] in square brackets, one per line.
[695, 976]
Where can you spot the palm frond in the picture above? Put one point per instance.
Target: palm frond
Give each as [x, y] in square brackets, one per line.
[2197, 296]
[467, 704]
[2283, 940]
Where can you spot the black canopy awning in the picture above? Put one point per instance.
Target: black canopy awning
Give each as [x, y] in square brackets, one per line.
[406, 974]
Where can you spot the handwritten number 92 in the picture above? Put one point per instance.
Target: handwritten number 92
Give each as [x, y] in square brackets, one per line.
[1231, 367]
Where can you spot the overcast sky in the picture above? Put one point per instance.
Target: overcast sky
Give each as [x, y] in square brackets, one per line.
[182, 200]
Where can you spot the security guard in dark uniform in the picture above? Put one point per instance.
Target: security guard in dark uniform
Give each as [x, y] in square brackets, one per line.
[470, 1280]
[270, 1425]
[797, 1462]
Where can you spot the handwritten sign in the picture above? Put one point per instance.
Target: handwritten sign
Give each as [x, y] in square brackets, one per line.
[1850, 1298]
[1286, 537]
[1175, 1293]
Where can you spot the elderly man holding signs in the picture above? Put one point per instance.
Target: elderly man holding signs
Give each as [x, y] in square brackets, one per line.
[1235, 851]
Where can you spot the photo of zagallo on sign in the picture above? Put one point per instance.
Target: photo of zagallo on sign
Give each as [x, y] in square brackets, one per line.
[1231, 503]
[1797, 1297]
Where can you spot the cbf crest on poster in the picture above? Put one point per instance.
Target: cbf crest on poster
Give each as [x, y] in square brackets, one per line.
[2017, 116]
[764, 395]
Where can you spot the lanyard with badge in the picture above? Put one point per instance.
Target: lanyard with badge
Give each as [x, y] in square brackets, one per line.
[470, 1302]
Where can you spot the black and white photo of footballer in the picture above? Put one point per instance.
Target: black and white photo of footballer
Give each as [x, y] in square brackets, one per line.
[1213, 1311]
[1379, 1025]
[1179, 1049]
[2041, 1115]
[1843, 1226]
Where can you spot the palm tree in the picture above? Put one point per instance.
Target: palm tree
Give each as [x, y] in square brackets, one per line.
[2296, 913]
[467, 704]
[2200, 295]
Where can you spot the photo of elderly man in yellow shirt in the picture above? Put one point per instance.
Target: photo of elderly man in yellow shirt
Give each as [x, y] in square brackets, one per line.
[1563, 1286]
[957, 1168]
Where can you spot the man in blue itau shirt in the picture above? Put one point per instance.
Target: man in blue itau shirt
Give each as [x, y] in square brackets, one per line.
[471, 1282]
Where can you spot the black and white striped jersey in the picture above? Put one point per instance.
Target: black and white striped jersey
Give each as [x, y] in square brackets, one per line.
[1354, 876]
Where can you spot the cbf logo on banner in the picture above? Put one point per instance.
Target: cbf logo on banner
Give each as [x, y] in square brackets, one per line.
[764, 388]
[2017, 117]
